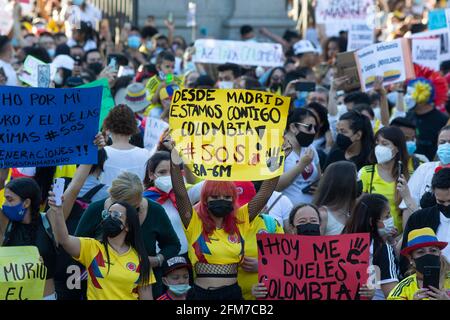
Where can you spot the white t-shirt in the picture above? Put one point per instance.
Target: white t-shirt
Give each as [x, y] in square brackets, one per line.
[282, 208]
[91, 14]
[174, 217]
[443, 234]
[420, 181]
[118, 161]
[89, 45]
[309, 175]
[10, 73]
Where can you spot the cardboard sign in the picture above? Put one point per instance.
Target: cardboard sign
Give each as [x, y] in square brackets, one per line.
[437, 19]
[391, 60]
[22, 274]
[442, 34]
[229, 135]
[35, 78]
[427, 52]
[153, 131]
[360, 35]
[48, 127]
[346, 66]
[313, 267]
[332, 11]
[107, 98]
[239, 52]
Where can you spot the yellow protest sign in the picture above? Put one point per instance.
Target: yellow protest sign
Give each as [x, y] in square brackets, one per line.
[229, 135]
[22, 274]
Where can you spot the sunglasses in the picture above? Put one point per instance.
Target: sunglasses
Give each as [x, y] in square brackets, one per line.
[309, 127]
[113, 214]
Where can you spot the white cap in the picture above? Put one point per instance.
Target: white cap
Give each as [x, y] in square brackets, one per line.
[63, 61]
[304, 46]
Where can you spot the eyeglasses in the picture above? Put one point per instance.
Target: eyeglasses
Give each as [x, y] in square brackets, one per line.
[309, 127]
[113, 214]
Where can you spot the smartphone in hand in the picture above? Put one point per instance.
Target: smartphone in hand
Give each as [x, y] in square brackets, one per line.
[58, 190]
[431, 275]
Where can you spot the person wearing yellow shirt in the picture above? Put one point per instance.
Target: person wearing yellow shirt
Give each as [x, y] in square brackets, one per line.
[215, 233]
[382, 177]
[118, 265]
[165, 65]
[423, 250]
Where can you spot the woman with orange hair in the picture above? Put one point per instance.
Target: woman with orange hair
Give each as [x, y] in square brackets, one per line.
[215, 234]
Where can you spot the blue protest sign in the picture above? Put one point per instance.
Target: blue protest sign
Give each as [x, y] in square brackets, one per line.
[437, 19]
[42, 127]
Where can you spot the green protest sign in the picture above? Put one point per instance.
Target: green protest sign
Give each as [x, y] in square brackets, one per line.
[107, 98]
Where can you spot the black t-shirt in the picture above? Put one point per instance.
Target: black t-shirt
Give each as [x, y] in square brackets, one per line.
[337, 154]
[428, 126]
[384, 257]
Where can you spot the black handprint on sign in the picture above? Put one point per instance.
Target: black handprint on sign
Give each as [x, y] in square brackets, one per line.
[274, 161]
[356, 250]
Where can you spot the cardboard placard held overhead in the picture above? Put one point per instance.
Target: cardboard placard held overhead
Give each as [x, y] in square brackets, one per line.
[346, 66]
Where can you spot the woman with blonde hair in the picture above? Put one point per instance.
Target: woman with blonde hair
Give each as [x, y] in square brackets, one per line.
[155, 225]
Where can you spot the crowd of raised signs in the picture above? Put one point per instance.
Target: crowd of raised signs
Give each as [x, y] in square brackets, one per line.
[141, 225]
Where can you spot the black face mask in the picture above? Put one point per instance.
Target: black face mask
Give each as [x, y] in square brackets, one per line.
[95, 67]
[428, 200]
[427, 260]
[444, 209]
[112, 227]
[308, 229]
[343, 142]
[305, 139]
[220, 208]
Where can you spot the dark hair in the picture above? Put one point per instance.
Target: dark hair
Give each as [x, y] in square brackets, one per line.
[134, 238]
[4, 41]
[62, 49]
[297, 115]
[323, 116]
[89, 52]
[252, 83]
[327, 42]
[364, 107]
[86, 30]
[338, 186]
[300, 206]
[446, 128]
[121, 82]
[152, 163]
[441, 179]
[359, 122]
[44, 179]
[236, 69]
[121, 120]
[148, 32]
[27, 188]
[367, 212]
[305, 71]
[288, 35]
[267, 83]
[403, 122]
[204, 81]
[60, 34]
[418, 27]
[37, 52]
[292, 75]
[135, 28]
[102, 157]
[46, 34]
[165, 56]
[246, 29]
[357, 97]
[445, 67]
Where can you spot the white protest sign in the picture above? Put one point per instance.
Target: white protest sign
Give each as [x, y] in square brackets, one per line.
[391, 60]
[360, 35]
[427, 52]
[239, 52]
[30, 75]
[442, 34]
[153, 131]
[329, 11]
[190, 17]
[7, 20]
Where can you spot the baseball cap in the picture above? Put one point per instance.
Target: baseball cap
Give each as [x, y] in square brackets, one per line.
[174, 263]
[304, 46]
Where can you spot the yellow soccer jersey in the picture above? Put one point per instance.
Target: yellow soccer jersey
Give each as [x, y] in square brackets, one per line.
[219, 247]
[406, 289]
[151, 87]
[247, 279]
[67, 171]
[380, 186]
[121, 282]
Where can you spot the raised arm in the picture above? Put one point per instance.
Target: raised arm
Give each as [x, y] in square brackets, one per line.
[275, 38]
[384, 107]
[287, 178]
[260, 200]
[335, 85]
[183, 203]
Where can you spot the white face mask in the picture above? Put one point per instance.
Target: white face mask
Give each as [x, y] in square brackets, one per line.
[388, 227]
[408, 99]
[58, 79]
[164, 183]
[226, 84]
[383, 154]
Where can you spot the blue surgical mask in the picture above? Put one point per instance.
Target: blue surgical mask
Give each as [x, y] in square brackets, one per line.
[14, 213]
[149, 45]
[134, 42]
[411, 146]
[179, 289]
[77, 2]
[51, 52]
[443, 153]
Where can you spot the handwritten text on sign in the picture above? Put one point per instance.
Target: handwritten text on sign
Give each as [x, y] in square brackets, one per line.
[229, 134]
[313, 267]
[48, 127]
[328, 11]
[239, 52]
[22, 274]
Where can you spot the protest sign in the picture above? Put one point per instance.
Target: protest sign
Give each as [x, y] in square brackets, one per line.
[22, 274]
[332, 11]
[239, 52]
[441, 34]
[31, 74]
[391, 60]
[107, 98]
[153, 131]
[437, 19]
[48, 127]
[426, 52]
[346, 66]
[7, 20]
[360, 35]
[229, 135]
[313, 267]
